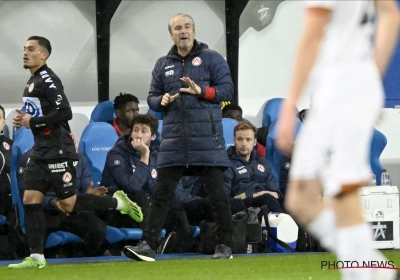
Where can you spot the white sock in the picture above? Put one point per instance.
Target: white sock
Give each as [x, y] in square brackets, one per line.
[354, 243]
[323, 228]
[119, 203]
[37, 257]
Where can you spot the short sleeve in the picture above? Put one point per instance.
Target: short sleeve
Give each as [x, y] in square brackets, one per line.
[330, 5]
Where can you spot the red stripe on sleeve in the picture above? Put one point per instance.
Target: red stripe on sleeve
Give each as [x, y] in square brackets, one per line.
[210, 93]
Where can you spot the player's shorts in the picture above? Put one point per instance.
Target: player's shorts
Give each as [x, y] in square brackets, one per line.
[335, 140]
[59, 174]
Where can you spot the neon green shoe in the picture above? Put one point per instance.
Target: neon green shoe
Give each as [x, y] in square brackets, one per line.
[129, 207]
[29, 262]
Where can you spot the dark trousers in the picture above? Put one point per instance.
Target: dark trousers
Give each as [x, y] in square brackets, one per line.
[17, 243]
[265, 199]
[167, 180]
[200, 209]
[86, 225]
[177, 221]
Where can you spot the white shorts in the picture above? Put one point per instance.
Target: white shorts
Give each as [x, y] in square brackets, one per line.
[334, 142]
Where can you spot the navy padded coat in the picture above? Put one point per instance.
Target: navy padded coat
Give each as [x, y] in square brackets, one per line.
[192, 132]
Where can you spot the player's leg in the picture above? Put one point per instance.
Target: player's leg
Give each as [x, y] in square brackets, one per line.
[90, 228]
[304, 199]
[35, 185]
[349, 171]
[305, 204]
[65, 188]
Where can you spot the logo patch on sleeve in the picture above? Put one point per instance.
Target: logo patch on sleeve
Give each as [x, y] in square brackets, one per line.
[6, 146]
[31, 86]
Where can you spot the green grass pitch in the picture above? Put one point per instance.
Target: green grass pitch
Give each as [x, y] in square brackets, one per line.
[285, 266]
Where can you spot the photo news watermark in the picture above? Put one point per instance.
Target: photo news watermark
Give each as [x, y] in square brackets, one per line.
[336, 265]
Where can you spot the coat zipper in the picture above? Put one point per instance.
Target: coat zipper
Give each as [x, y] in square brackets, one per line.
[213, 129]
[184, 119]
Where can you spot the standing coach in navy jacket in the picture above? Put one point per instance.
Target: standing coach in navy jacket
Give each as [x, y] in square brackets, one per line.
[187, 86]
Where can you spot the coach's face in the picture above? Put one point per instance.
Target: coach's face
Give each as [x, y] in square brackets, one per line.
[34, 55]
[182, 33]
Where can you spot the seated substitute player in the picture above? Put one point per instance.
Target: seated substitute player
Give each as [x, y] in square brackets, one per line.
[234, 111]
[131, 166]
[249, 176]
[6, 208]
[126, 107]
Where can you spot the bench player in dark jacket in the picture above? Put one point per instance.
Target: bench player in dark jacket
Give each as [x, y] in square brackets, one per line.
[187, 86]
[131, 166]
[47, 112]
[6, 209]
[5, 163]
[249, 176]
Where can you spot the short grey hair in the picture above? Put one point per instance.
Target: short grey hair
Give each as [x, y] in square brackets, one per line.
[179, 15]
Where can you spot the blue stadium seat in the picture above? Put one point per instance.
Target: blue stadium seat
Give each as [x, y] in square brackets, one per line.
[53, 240]
[271, 111]
[96, 140]
[115, 235]
[273, 155]
[196, 231]
[61, 238]
[158, 115]
[3, 220]
[103, 112]
[228, 126]
[378, 143]
[23, 141]
[137, 233]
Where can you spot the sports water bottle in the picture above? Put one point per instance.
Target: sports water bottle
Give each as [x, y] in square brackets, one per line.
[372, 182]
[385, 178]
